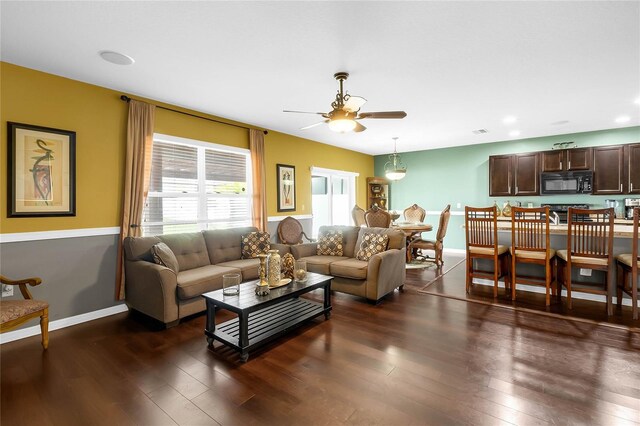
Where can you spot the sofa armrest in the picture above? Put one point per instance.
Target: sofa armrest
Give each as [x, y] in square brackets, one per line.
[304, 250]
[151, 289]
[282, 248]
[385, 272]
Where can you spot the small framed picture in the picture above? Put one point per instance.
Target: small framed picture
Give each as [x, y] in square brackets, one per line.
[286, 187]
[42, 171]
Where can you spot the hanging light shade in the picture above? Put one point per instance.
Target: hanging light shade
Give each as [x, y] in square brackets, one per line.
[394, 169]
[342, 121]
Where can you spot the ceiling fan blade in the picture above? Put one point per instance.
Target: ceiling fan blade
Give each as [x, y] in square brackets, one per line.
[359, 128]
[313, 125]
[383, 114]
[305, 112]
[354, 103]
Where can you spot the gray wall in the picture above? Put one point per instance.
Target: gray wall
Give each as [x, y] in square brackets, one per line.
[78, 274]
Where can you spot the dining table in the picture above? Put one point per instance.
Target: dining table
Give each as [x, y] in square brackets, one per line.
[411, 229]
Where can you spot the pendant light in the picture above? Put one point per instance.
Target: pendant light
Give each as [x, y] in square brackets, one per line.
[394, 169]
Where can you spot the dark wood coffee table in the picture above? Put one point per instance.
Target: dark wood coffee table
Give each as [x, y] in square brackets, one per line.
[264, 318]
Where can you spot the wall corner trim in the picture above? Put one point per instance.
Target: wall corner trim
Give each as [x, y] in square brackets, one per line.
[297, 216]
[57, 234]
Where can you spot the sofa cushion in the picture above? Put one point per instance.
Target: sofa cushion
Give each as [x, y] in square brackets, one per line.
[320, 264]
[224, 245]
[163, 255]
[349, 237]
[248, 267]
[397, 238]
[349, 268]
[255, 243]
[372, 244]
[189, 249]
[196, 281]
[330, 243]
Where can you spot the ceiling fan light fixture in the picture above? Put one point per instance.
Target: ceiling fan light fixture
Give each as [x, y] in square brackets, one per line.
[342, 124]
[394, 169]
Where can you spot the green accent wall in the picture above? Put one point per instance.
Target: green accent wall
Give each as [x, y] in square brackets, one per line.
[444, 176]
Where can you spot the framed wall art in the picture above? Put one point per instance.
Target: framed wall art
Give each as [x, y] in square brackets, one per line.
[42, 171]
[286, 187]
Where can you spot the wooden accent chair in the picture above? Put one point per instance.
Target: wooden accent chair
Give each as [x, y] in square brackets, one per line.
[290, 231]
[358, 216]
[15, 312]
[530, 244]
[376, 217]
[628, 265]
[589, 246]
[415, 213]
[437, 245]
[481, 229]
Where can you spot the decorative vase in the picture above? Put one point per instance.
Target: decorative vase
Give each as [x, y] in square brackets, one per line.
[288, 262]
[498, 210]
[300, 271]
[273, 267]
[506, 210]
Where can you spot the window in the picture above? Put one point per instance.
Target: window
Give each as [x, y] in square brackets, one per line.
[195, 186]
[333, 195]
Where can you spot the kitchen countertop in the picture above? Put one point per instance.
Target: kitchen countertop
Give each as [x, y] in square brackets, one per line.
[622, 228]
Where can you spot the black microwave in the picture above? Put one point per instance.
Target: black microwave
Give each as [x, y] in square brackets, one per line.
[579, 182]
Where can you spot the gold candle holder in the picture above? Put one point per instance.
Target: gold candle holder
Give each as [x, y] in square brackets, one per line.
[262, 288]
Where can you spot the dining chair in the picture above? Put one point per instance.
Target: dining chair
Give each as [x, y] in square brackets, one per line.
[290, 231]
[530, 244]
[358, 216]
[415, 213]
[376, 217]
[628, 265]
[589, 246]
[16, 312]
[481, 234]
[437, 244]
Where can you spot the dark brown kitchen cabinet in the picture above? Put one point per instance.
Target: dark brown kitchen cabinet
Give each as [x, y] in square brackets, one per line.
[563, 160]
[633, 168]
[500, 175]
[525, 171]
[608, 170]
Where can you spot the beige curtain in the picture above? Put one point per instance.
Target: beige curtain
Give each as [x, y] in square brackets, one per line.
[256, 146]
[136, 177]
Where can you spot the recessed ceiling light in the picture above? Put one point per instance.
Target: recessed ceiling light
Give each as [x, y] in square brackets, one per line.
[623, 119]
[509, 119]
[560, 123]
[514, 133]
[116, 58]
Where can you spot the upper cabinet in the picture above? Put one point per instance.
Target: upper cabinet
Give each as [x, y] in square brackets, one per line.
[515, 174]
[608, 170]
[526, 169]
[500, 175]
[632, 163]
[563, 160]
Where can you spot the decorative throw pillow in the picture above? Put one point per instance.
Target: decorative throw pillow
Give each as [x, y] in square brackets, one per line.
[255, 243]
[163, 255]
[330, 244]
[372, 244]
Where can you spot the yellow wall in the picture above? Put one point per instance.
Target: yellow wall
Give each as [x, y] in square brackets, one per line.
[99, 117]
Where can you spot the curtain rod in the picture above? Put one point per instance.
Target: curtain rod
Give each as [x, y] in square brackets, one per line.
[127, 99]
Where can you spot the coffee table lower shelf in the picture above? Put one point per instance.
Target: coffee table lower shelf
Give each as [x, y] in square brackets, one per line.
[267, 324]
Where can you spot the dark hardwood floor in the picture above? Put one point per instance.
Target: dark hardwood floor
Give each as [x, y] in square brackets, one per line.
[413, 359]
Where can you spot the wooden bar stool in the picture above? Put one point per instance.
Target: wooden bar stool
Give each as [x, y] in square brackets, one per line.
[628, 265]
[481, 225]
[589, 246]
[530, 244]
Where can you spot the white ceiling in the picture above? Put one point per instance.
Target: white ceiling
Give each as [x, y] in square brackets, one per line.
[452, 66]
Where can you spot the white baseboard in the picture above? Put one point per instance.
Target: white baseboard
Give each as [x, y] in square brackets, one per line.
[538, 289]
[454, 251]
[10, 336]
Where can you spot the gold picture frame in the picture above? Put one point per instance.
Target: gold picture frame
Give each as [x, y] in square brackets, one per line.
[42, 171]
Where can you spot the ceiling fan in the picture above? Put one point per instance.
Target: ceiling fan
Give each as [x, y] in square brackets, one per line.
[346, 111]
